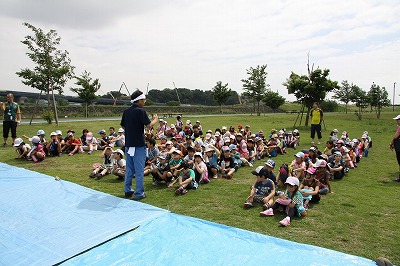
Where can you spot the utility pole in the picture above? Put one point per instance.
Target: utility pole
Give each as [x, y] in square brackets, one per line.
[177, 94]
[394, 93]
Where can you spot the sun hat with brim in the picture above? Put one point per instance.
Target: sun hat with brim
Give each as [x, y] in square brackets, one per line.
[345, 149]
[337, 153]
[312, 149]
[119, 151]
[58, 132]
[239, 135]
[224, 128]
[121, 130]
[17, 142]
[41, 132]
[53, 134]
[397, 117]
[198, 154]
[162, 157]
[102, 131]
[70, 134]
[257, 171]
[35, 139]
[299, 155]
[232, 147]
[217, 134]
[311, 171]
[208, 149]
[225, 148]
[232, 136]
[227, 139]
[292, 181]
[270, 163]
[320, 164]
[177, 152]
[168, 142]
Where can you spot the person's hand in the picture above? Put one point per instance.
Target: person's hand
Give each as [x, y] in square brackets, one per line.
[18, 122]
[155, 117]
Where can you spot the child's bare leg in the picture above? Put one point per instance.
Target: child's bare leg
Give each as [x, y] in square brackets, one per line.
[185, 183]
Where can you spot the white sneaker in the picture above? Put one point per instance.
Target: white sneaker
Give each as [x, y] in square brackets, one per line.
[250, 164]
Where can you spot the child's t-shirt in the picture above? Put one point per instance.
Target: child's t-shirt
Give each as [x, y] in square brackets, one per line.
[229, 163]
[297, 198]
[264, 188]
[162, 167]
[213, 160]
[203, 167]
[173, 163]
[121, 163]
[108, 160]
[152, 153]
[190, 174]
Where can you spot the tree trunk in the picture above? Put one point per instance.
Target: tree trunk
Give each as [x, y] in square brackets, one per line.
[55, 107]
[258, 108]
[346, 108]
[308, 116]
[220, 108]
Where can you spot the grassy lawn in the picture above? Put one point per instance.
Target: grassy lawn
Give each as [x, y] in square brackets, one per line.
[360, 217]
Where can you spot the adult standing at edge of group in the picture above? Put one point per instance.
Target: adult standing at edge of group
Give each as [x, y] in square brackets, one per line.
[134, 120]
[317, 116]
[395, 144]
[11, 117]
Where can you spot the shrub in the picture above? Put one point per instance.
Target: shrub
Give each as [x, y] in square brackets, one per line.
[173, 103]
[329, 106]
[48, 116]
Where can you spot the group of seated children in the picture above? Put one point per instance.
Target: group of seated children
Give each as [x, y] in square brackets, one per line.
[307, 177]
[69, 145]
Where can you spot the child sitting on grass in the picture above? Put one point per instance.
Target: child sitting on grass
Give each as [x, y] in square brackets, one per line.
[200, 169]
[298, 166]
[263, 190]
[37, 153]
[175, 162]
[211, 160]
[107, 166]
[54, 146]
[309, 188]
[291, 201]
[226, 163]
[186, 179]
[22, 148]
[160, 171]
[119, 164]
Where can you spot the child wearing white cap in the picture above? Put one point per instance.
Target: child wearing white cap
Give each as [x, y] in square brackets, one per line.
[298, 166]
[22, 148]
[291, 201]
[119, 164]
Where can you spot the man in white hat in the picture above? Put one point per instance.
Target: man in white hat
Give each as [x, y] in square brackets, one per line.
[134, 119]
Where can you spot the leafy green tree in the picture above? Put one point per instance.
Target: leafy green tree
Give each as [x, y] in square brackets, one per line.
[360, 98]
[62, 102]
[221, 94]
[378, 98]
[87, 90]
[311, 88]
[52, 67]
[343, 94]
[255, 85]
[273, 100]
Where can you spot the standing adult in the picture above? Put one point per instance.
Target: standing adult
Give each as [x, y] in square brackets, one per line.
[395, 144]
[134, 119]
[317, 116]
[11, 117]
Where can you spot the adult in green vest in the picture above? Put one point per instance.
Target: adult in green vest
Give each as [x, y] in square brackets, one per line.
[11, 117]
[317, 116]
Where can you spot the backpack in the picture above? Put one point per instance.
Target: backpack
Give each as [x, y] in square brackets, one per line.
[283, 173]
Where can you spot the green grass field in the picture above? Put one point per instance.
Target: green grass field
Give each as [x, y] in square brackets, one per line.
[360, 217]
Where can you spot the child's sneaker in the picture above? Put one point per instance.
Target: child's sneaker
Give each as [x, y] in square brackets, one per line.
[285, 221]
[179, 191]
[184, 191]
[248, 205]
[204, 180]
[92, 175]
[215, 176]
[269, 212]
[250, 164]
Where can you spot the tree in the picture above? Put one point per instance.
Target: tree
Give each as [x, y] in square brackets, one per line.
[311, 88]
[378, 98]
[343, 94]
[221, 94]
[87, 90]
[52, 66]
[273, 100]
[360, 98]
[255, 86]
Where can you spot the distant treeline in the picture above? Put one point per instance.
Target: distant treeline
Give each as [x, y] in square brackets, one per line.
[186, 96]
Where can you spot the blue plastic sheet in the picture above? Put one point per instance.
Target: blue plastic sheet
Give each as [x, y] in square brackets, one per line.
[43, 221]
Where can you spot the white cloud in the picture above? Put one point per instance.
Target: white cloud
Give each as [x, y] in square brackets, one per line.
[196, 43]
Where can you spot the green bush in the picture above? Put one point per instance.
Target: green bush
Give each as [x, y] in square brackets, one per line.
[48, 116]
[329, 106]
[173, 103]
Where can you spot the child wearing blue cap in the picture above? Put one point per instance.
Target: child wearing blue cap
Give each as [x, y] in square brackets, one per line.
[263, 191]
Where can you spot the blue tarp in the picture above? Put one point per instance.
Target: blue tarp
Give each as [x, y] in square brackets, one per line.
[44, 222]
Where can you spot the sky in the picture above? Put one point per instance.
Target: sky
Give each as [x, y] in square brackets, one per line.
[194, 44]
